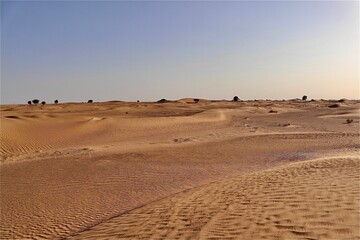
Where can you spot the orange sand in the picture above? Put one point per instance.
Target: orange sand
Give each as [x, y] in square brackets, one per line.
[117, 169]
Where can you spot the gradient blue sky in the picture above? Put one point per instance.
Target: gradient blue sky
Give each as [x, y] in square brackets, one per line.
[74, 51]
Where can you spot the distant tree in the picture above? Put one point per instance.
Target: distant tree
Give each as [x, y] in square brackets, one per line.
[137, 101]
[35, 101]
[29, 102]
[43, 103]
[90, 101]
[196, 100]
[304, 98]
[56, 101]
[236, 98]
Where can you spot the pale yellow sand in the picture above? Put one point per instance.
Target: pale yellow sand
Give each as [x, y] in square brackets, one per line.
[68, 167]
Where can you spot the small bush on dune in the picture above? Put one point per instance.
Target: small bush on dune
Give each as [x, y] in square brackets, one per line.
[162, 100]
[342, 100]
[56, 101]
[304, 98]
[348, 121]
[272, 111]
[334, 105]
[196, 100]
[35, 101]
[43, 103]
[90, 101]
[236, 98]
[29, 102]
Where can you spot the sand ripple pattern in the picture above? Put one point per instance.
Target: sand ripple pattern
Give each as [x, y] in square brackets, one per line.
[316, 199]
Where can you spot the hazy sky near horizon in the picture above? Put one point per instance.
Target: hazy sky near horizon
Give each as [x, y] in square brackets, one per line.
[75, 51]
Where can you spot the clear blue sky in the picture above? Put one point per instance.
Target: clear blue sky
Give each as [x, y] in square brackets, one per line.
[75, 51]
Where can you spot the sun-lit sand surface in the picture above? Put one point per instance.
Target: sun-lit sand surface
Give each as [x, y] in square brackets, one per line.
[207, 170]
[311, 200]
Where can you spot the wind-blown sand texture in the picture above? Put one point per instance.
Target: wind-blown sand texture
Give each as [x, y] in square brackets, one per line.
[210, 170]
[316, 199]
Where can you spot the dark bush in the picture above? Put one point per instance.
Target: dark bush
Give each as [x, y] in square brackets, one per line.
[196, 100]
[56, 101]
[304, 98]
[137, 101]
[90, 101]
[35, 101]
[342, 100]
[29, 102]
[348, 121]
[162, 100]
[334, 105]
[272, 111]
[43, 103]
[236, 98]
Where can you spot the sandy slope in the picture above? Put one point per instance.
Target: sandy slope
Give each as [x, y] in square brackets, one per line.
[316, 199]
[68, 167]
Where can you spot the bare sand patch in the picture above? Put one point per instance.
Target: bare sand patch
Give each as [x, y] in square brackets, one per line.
[316, 199]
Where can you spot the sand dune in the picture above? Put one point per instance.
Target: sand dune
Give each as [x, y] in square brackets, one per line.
[66, 168]
[317, 199]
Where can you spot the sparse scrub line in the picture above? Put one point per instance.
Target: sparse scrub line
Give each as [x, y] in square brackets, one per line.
[197, 100]
[37, 101]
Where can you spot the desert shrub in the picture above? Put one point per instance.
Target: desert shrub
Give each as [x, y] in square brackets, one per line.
[342, 100]
[137, 101]
[162, 100]
[236, 98]
[304, 98]
[56, 101]
[35, 101]
[90, 101]
[196, 100]
[348, 121]
[313, 100]
[43, 103]
[29, 102]
[334, 105]
[272, 111]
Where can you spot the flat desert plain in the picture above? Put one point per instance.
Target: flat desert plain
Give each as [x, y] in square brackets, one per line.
[181, 170]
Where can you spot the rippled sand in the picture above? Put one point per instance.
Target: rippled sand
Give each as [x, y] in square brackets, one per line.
[214, 169]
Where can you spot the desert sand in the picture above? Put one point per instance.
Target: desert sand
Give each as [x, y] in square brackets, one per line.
[180, 170]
